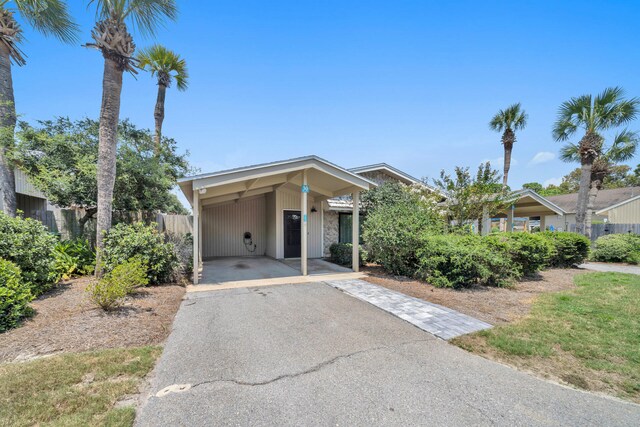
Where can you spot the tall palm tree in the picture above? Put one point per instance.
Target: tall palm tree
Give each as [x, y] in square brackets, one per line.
[167, 66]
[508, 121]
[593, 115]
[623, 148]
[50, 17]
[112, 38]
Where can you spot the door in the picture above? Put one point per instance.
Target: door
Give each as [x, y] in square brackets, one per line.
[292, 229]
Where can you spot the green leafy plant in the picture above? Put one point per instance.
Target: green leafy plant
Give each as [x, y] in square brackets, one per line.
[568, 249]
[617, 248]
[110, 291]
[455, 261]
[74, 258]
[15, 295]
[529, 252]
[28, 244]
[126, 241]
[342, 253]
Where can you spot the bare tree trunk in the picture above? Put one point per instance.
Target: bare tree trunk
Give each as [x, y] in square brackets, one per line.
[593, 194]
[7, 129]
[158, 114]
[109, 116]
[583, 198]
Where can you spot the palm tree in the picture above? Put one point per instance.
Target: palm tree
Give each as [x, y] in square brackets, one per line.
[50, 17]
[593, 115]
[112, 38]
[167, 66]
[507, 121]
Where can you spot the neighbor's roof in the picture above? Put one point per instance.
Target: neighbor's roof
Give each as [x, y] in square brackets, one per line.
[390, 170]
[605, 199]
[544, 201]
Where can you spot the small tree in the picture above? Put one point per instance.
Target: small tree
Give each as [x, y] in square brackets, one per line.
[508, 121]
[60, 158]
[470, 198]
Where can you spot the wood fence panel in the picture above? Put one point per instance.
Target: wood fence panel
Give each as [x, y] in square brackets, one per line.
[598, 230]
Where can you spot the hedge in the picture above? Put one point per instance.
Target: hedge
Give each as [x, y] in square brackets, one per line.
[529, 252]
[568, 249]
[342, 253]
[15, 295]
[617, 248]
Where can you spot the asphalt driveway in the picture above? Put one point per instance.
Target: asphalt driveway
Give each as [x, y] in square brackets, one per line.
[310, 355]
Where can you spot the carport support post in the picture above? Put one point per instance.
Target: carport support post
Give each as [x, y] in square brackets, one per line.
[196, 235]
[510, 219]
[303, 229]
[355, 232]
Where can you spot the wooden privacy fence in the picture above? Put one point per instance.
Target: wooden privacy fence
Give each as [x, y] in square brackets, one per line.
[598, 230]
[66, 222]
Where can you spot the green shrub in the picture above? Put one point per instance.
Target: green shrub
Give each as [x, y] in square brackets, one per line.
[74, 258]
[28, 244]
[455, 261]
[617, 248]
[183, 248]
[15, 295]
[110, 291]
[342, 253]
[530, 252]
[126, 241]
[568, 249]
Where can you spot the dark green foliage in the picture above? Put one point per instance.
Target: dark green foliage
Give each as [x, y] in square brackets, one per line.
[183, 247]
[74, 258]
[617, 248]
[15, 295]
[126, 241]
[342, 253]
[529, 252]
[568, 249]
[396, 217]
[454, 260]
[28, 244]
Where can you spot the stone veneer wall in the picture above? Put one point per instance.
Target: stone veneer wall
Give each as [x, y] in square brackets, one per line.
[330, 232]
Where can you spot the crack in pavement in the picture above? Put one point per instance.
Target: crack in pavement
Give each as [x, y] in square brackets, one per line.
[312, 369]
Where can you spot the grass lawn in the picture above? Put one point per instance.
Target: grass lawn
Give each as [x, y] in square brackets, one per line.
[74, 389]
[588, 337]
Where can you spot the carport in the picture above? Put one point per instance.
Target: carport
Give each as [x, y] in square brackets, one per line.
[269, 210]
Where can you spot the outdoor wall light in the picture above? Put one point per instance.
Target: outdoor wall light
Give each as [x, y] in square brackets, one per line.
[313, 209]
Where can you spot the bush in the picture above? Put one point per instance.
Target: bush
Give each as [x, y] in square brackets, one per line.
[456, 261]
[28, 244]
[126, 241]
[110, 291]
[568, 249]
[342, 253]
[617, 248]
[74, 258]
[183, 248]
[529, 252]
[15, 295]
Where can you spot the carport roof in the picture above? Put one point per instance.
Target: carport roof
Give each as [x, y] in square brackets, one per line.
[325, 179]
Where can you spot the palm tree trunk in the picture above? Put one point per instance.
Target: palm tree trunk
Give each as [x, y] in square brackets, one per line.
[109, 116]
[7, 129]
[507, 166]
[583, 198]
[593, 194]
[158, 114]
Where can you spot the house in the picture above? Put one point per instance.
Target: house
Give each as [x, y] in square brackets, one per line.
[31, 201]
[292, 208]
[616, 205]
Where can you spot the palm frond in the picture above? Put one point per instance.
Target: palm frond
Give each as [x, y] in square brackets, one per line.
[624, 146]
[512, 117]
[571, 115]
[161, 61]
[570, 153]
[145, 16]
[50, 17]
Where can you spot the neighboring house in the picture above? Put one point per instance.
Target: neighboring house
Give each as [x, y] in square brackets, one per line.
[29, 199]
[261, 210]
[617, 206]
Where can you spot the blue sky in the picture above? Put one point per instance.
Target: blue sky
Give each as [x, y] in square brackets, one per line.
[410, 83]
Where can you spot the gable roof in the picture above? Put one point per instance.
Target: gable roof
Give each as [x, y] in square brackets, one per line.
[515, 196]
[389, 170]
[605, 199]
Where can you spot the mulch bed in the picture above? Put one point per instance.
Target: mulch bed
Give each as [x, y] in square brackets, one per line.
[65, 321]
[493, 305]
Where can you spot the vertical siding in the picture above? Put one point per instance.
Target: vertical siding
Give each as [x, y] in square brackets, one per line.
[223, 227]
[270, 217]
[23, 186]
[626, 214]
[286, 199]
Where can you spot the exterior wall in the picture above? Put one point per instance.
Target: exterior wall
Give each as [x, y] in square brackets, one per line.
[289, 199]
[379, 177]
[23, 186]
[330, 232]
[270, 215]
[626, 214]
[563, 223]
[223, 227]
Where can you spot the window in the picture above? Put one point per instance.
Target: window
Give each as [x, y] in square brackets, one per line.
[344, 228]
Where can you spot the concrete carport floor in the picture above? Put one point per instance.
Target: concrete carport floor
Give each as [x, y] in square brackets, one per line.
[312, 355]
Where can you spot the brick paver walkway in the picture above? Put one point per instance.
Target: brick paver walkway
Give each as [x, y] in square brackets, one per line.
[433, 318]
